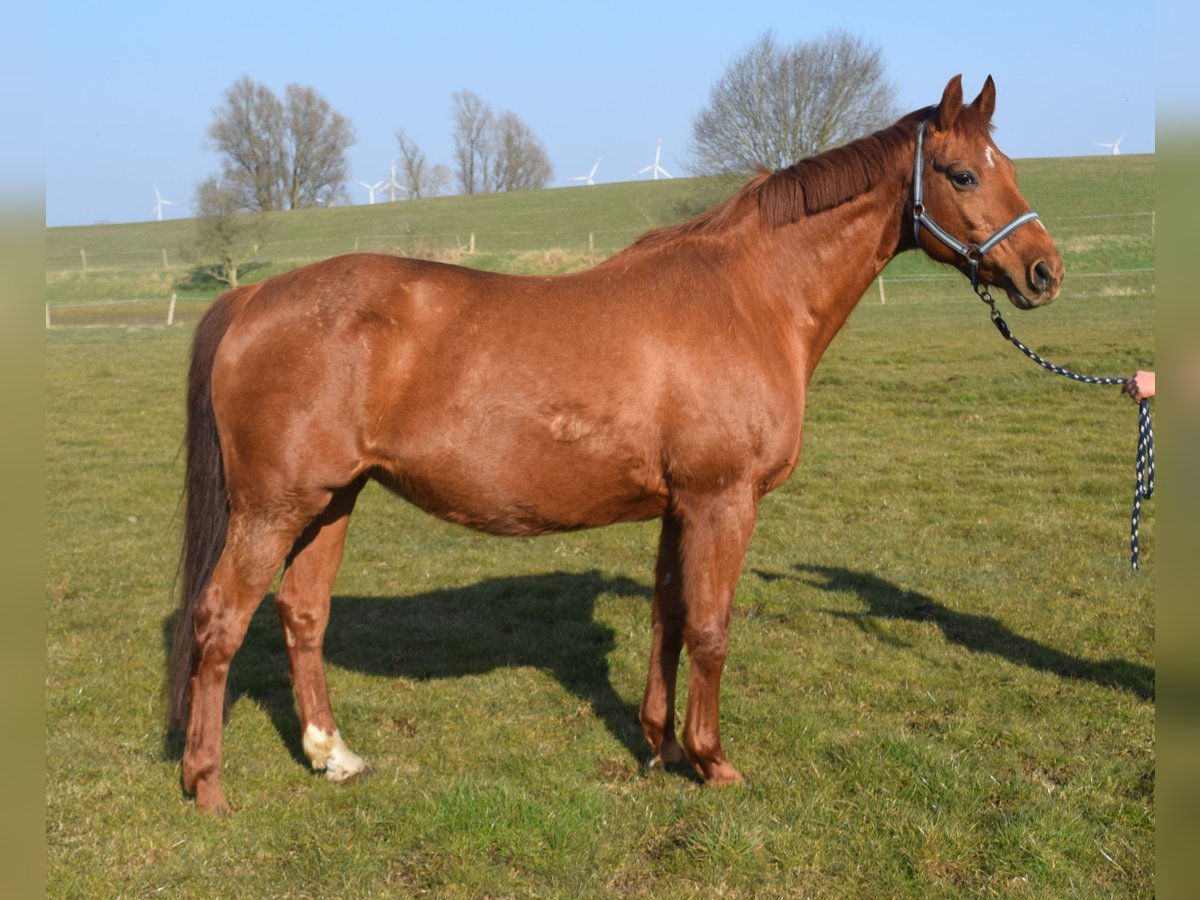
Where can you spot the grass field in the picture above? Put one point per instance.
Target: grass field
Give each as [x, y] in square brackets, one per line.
[941, 679]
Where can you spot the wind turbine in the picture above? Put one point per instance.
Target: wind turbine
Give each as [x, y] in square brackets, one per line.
[588, 178]
[655, 168]
[393, 184]
[371, 189]
[159, 203]
[1115, 145]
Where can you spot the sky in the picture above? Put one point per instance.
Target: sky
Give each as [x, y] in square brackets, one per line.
[130, 88]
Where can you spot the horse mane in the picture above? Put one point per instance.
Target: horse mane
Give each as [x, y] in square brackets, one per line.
[804, 188]
[831, 178]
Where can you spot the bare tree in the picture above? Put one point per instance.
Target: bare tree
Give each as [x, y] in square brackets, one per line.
[317, 140]
[280, 155]
[520, 163]
[417, 176]
[775, 105]
[226, 238]
[472, 142]
[495, 153]
[248, 131]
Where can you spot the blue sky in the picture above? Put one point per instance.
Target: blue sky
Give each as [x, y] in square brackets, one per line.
[130, 88]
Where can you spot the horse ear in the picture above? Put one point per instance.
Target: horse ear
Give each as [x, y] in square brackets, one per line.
[951, 105]
[986, 101]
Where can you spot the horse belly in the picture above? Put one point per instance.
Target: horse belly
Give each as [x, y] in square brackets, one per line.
[536, 475]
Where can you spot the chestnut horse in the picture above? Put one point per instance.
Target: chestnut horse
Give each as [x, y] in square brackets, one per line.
[666, 382]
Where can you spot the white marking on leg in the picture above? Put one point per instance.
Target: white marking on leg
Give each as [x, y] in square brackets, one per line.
[329, 752]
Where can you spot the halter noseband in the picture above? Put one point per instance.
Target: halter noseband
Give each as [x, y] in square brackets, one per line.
[972, 253]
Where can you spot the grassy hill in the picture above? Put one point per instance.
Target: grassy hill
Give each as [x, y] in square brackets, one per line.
[1098, 208]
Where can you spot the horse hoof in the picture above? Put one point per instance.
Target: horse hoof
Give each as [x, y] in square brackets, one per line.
[345, 776]
[329, 752]
[211, 799]
[723, 774]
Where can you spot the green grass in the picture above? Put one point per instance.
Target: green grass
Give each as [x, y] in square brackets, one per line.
[941, 678]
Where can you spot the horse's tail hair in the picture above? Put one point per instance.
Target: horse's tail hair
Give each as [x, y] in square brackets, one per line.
[205, 502]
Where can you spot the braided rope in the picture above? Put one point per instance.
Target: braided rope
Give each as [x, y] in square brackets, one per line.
[1143, 486]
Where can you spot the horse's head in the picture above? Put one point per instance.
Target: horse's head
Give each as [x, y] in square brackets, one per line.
[967, 208]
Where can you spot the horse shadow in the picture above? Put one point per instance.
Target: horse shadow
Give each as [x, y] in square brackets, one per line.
[979, 634]
[544, 621]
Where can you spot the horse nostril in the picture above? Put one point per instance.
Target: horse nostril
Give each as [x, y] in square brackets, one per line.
[1042, 278]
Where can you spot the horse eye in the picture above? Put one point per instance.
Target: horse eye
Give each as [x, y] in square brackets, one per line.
[964, 179]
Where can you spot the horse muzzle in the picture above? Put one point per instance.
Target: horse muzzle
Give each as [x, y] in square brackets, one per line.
[1041, 284]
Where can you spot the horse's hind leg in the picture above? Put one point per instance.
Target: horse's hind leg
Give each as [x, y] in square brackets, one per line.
[303, 606]
[667, 618]
[254, 550]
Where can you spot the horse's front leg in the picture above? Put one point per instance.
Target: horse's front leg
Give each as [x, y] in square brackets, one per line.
[716, 530]
[667, 619]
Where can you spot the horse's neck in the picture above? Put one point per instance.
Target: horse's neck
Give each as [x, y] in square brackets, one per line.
[824, 263]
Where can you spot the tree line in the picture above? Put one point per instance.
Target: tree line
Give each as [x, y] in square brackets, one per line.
[290, 153]
[773, 105]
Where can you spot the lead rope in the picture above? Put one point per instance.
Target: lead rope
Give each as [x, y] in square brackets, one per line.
[1143, 486]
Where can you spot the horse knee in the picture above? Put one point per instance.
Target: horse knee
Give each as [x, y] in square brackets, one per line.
[708, 646]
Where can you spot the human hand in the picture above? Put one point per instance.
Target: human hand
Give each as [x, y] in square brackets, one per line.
[1140, 386]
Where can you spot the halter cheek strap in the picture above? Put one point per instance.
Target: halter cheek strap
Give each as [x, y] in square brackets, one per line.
[972, 253]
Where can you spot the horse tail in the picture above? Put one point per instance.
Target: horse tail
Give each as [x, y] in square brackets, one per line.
[205, 501]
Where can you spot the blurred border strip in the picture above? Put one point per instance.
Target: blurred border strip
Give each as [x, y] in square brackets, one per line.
[22, 489]
[1177, 329]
